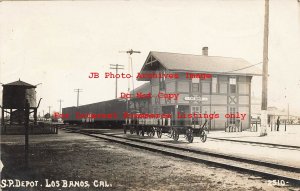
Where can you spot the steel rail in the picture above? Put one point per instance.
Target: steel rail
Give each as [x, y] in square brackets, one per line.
[258, 143]
[230, 157]
[252, 167]
[186, 155]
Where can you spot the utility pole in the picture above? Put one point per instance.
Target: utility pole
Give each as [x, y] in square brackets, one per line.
[130, 52]
[288, 114]
[60, 100]
[77, 90]
[288, 105]
[264, 103]
[117, 67]
[26, 122]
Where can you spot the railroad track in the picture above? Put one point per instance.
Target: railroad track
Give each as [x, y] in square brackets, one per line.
[278, 146]
[267, 170]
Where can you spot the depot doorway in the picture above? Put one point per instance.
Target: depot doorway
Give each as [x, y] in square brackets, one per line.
[169, 110]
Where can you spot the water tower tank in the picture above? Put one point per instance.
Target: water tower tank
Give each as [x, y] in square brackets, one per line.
[15, 94]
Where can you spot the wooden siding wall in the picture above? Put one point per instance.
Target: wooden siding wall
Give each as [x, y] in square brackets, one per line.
[219, 102]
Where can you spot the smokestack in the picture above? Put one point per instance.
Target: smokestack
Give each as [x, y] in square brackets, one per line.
[205, 51]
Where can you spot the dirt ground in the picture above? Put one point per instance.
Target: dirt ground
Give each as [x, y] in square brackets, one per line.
[68, 157]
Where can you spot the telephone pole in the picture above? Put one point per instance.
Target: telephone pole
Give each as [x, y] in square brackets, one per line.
[117, 67]
[60, 100]
[288, 113]
[130, 52]
[264, 103]
[78, 91]
[288, 105]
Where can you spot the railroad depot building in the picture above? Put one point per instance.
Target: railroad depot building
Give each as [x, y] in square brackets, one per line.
[203, 84]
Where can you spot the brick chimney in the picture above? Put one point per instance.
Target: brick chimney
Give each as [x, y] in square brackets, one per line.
[205, 51]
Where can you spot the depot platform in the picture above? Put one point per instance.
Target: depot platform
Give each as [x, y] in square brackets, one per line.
[279, 147]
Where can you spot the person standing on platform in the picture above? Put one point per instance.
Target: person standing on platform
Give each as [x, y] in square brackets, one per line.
[278, 123]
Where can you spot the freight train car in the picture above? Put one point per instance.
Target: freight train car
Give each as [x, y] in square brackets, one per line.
[102, 114]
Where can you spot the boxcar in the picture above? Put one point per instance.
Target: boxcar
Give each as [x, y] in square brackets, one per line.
[97, 114]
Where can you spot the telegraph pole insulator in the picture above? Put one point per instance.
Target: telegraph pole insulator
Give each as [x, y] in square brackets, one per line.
[132, 51]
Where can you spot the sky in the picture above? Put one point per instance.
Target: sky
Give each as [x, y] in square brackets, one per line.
[59, 43]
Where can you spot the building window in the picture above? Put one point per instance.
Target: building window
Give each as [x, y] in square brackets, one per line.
[214, 85]
[162, 82]
[196, 110]
[232, 85]
[195, 87]
[232, 119]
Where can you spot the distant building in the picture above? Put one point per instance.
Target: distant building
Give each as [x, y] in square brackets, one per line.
[204, 85]
[274, 113]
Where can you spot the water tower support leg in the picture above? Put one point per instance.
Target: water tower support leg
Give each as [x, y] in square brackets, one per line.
[35, 116]
[2, 120]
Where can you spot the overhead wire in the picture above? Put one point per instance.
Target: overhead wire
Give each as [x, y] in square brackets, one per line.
[226, 71]
[243, 68]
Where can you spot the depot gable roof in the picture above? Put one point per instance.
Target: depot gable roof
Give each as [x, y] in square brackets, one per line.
[176, 62]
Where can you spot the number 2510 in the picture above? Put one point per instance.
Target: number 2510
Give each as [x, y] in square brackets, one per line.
[276, 183]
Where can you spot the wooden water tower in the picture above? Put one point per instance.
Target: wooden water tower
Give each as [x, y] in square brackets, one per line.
[14, 98]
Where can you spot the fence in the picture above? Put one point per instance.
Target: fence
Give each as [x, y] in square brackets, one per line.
[40, 128]
[237, 127]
